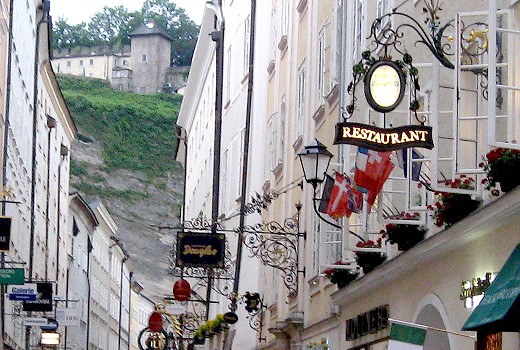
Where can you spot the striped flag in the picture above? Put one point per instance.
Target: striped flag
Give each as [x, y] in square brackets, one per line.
[405, 337]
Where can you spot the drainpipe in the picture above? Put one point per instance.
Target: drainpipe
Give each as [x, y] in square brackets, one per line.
[4, 160]
[121, 301]
[51, 124]
[89, 250]
[64, 151]
[129, 305]
[218, 37]
[44, 7]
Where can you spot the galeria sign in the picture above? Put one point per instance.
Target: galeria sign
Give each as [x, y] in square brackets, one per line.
[384, 139]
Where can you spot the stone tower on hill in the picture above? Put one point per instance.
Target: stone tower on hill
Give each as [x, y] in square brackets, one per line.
[143, 67]
[151, 56]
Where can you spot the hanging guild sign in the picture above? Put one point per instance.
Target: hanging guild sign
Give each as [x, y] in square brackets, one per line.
[384, 86]
[200, 250]
[43, 300]
[181, 290]
[383, 139]
[5, 233]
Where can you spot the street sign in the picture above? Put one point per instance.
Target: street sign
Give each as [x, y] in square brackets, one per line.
[26, 292]
[34, 321]
[12, 276]
[51, 325]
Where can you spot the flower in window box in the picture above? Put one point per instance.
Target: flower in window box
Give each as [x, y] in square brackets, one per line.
[340, 277]
[450, 208]
[369, 260]
[501, 165]
[404, 235]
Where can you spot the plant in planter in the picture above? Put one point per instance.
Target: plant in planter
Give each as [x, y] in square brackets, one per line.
[404, 235]
[369, 260]
[216, 325]
[198, 337]
[450, 208]
[340, 277]
[501, 165]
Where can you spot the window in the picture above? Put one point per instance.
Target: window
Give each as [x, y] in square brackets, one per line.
[358, 37]
[143, 57]
[300, 102]
[91, 62]
[125, 63]
[247, 30]
[227, 81]
[69, 63]
[320, 91]
[80, 62]
[284, 19]
[384, 7]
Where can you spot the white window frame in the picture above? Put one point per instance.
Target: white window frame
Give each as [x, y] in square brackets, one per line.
[358, 38]
[300, 102]
[247, 31]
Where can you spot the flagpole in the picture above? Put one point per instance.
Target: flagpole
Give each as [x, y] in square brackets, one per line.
[432, 328]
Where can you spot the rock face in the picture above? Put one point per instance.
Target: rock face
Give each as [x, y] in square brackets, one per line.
[141, 208]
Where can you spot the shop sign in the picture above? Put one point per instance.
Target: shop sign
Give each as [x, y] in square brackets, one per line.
[384, 139]
[366, 323]
[43, 301]
[67, 316]
[323, 344]
[230, 317]
[12, 276]
[26, 292]
[384, 86]
[200, 250]
[5, 234]
[473, 291]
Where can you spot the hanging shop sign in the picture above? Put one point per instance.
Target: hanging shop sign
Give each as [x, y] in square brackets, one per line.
[155, 322]
[5, 233]
[366, 323]
[181, 290]
[384, 86]
[67, 316]
[200, 250]
[12, 276]
[230, 317]
[473, 291]
[27, 291]
[43, 301]
[384, 139]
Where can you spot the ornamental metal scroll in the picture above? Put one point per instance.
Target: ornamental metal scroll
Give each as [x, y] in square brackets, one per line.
[435, 40]
[277, 246]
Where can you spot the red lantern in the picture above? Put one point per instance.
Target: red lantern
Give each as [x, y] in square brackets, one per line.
[155, 322]
[181, 290]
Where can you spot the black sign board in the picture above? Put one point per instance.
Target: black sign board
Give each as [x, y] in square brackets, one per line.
[200, 250]
[384, 139]
[43, 300]
[5, 233]
[230, 317]
[366, 323]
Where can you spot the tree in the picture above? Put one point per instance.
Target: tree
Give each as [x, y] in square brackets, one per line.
[65, 36]
[112, 24]
[181, 28]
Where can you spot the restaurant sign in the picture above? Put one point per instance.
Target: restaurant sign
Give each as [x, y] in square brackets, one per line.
[200, 250]
[383, 139]
[368, 322]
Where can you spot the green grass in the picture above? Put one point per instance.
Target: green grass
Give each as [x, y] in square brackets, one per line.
[136, 132]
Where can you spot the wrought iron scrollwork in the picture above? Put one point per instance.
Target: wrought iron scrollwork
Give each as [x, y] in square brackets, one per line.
[436, 40]
[255, 308]
[277, 246]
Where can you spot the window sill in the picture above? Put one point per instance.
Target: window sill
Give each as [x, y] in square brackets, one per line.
[282, 44]
[278, 170]
[302, 6]
[332, 96]
[319, 115]
[298, 143]
[270, 67]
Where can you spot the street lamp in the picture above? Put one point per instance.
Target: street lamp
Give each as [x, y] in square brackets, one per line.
[315, 159]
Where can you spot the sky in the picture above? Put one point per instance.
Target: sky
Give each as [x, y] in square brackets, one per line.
[77, 11]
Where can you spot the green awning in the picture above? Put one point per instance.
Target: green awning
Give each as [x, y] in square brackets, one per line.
[499, 310]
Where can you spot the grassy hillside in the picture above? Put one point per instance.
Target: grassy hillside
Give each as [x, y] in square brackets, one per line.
[136, 132]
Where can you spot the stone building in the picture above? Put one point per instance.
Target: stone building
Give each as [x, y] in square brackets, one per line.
[143, 67]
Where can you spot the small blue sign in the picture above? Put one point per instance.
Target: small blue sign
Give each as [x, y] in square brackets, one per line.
[23, 297]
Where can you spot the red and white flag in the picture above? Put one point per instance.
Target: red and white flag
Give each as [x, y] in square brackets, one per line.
[344, 199]
[372, 170]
